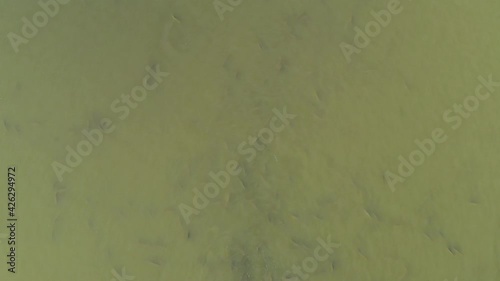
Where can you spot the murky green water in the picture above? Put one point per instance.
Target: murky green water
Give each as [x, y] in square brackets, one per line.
[250, 140]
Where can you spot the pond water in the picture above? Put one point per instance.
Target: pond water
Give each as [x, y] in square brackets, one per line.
[250, 140]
